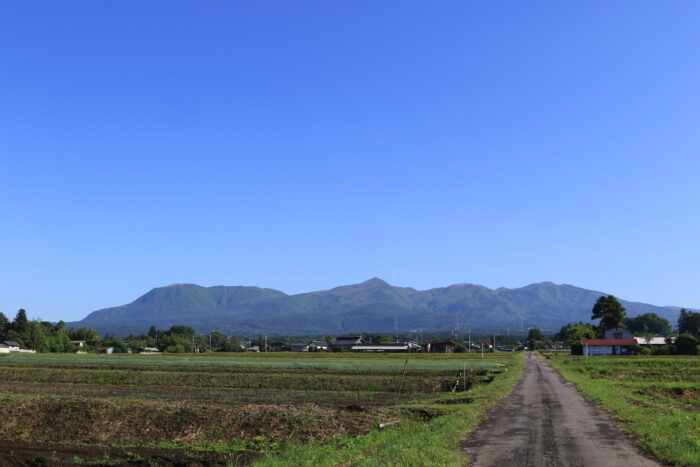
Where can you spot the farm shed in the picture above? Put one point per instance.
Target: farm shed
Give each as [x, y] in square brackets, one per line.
[347, 342]
[607, 346]
[393, 347]
[4, 348]
[12, 346]
[656, 340]
[300, 347]
[439, 347]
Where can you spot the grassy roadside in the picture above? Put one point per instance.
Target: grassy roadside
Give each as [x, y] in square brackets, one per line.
[416, 440]
[656, 398]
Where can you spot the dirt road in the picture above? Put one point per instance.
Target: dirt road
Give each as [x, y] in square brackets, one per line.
[546, 422]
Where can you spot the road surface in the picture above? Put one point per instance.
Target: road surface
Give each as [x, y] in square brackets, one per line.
[546, 422]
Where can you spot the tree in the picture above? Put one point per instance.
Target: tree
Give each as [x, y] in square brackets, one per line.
[534, 335]
[689, 322]
[4, 325]
[579, 332]
[114, 342]
[609, 311]
[60, 343]
[648, 323]
[20, 322]
[686, 344]
[34, 336]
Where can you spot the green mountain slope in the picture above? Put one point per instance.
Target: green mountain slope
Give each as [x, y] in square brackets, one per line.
[371, 306]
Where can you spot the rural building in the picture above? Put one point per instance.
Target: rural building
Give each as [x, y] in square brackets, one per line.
[347, 342]
[318, 345]
[311, 346]
[656, 340]
[12, 346]
[392, 347]
[105, 349]
[150, 350]
[300, 347]
[439, 347]
[255, 348]
[607, 346]
[4, 348]
[278, 346]
[78, 343]
[618, 341]
[618, 333]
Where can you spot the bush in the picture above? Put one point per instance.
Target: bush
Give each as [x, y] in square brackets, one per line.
[662, 350]
[686, 344]
[178, 348]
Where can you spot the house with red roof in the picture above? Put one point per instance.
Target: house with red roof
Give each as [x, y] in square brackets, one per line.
[617, 341]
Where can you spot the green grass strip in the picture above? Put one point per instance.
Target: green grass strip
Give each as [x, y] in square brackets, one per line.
[668, 431]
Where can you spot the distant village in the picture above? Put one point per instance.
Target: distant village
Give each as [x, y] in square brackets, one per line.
[646, 334]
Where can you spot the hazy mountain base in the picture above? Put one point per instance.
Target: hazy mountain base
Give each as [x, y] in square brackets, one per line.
[371, 306]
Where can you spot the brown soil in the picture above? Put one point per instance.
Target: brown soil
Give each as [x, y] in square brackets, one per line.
[19, 453]
[132, 422]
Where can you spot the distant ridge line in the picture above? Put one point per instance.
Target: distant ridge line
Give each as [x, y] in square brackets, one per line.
[368, 306]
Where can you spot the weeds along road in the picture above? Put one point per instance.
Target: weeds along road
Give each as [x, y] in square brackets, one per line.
[546, 422]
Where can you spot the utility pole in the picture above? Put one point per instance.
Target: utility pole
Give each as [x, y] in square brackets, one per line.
[265, 342]
[396, 328]
[210, 342]
[470, 339]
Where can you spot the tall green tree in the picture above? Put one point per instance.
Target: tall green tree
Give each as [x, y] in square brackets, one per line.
[4, 325]
[20, 322]
[609, 311]
[648, 323]
[534, 335]
[580, 331]
[689, 323]
[34, 336]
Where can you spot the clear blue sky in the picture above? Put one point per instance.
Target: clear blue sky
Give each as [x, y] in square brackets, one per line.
[304, 145]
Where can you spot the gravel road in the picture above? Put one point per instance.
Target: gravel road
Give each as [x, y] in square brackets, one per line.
[546, 422]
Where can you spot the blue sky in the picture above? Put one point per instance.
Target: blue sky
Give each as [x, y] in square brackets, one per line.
[305, 145]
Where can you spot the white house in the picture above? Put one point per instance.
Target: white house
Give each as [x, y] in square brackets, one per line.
[4, 348]
[12, 346]
[318, 345]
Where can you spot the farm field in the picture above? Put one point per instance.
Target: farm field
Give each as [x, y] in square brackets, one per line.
[656, 398]
[229, 409]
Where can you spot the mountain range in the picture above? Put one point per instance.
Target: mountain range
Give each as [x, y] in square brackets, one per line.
[371, 306]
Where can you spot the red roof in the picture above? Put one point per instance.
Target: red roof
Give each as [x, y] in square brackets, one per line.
[608, 342]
